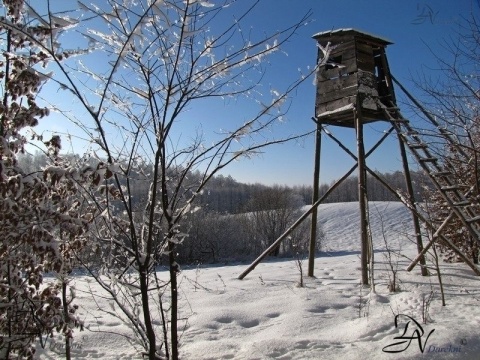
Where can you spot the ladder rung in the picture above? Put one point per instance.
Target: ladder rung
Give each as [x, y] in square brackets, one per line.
[462, 203]
[474, 219]
[441, 173]
[430, 159]
[418, 146]
[450, 187]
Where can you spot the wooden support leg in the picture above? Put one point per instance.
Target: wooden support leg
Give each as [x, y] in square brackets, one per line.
[316, 183]
[362, 197]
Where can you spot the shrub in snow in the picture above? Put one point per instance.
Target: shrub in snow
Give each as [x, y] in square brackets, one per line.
[43, 222]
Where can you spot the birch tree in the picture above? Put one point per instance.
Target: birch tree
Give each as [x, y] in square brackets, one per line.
[138, 69]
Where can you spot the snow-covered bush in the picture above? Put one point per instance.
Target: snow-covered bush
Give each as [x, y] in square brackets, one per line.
[43, 221]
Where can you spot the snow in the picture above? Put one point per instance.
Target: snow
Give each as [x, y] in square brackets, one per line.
[339, 110]
[268, 316]
[351, 30]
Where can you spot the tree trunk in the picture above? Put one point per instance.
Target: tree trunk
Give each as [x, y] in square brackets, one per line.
[68, 355]
[146, 312]
[174, 301]
[474, 251]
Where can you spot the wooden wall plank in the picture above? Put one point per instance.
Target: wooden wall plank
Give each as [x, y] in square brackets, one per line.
[337, 84]
[334, 105]
[334, 95]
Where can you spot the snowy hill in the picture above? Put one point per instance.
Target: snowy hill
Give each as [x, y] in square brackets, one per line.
[267, 316]
[340, 223]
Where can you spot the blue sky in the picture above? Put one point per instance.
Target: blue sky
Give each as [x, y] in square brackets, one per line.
[410, 25]
[413, 27]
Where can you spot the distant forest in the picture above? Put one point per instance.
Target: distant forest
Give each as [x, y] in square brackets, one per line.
[234, 221]
[225, 195]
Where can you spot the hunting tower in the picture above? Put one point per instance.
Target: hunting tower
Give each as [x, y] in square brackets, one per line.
[354, 87]
[353, 74]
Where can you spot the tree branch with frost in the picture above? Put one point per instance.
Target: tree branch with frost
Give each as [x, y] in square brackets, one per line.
[44, 217]
[159, 58]
[131, 321]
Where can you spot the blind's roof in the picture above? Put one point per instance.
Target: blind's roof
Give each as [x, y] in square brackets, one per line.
[340, 33]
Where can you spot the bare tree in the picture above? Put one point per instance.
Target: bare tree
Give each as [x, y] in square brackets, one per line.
[213, 237]
[270, 212]
[299, 245]
[145, 63]
[452, 104]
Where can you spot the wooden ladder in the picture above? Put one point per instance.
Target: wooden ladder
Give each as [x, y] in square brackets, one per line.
[455, 194]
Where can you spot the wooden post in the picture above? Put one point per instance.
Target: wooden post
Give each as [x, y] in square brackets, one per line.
[362, 194]
[411, 195]
[316, 183]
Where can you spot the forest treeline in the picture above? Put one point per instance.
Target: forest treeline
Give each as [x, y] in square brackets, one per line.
[225, 195]
[233, 221]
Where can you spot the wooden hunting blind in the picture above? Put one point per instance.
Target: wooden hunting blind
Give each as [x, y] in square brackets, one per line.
[353, 74]
[354, 87]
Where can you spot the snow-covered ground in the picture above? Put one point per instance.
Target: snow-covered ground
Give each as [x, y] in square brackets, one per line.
[267, 316]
